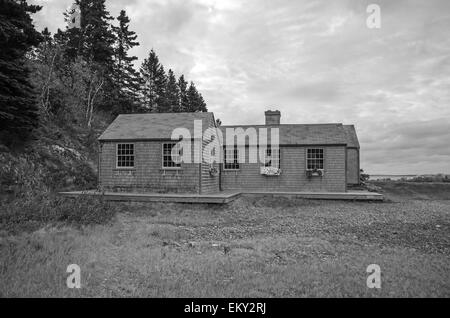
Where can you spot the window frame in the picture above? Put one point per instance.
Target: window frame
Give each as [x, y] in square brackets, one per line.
[235, 162]
[307, 158]
[133, 155]
[177, 165]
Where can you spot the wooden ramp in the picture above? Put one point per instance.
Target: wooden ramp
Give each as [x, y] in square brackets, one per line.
[225, 196]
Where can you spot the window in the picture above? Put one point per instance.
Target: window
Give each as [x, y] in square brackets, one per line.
[125, 155]
[314, 159]
[231, 159]
[272, 157]
[170, 160]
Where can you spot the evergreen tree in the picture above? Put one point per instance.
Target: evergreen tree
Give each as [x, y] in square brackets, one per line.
[162, 105]
[125, 76]
[18, 109]
[201, 104]
[183, 100]
[153, 78]
[195, 100]
[98, 38]
[172, 92]
[125, 40]
[46, 36]
[91, 37]
[71, 38]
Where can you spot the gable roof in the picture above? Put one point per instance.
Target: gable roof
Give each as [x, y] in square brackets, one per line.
[352, 138]
[153, 125]
[302, 134]
[159, 126]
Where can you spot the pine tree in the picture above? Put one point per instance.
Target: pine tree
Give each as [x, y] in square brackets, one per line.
[46, 36]
[92, 38]
[125, 40]
[183, 99]
[153, 78]
[98, 38]
[126, 78]
[18, 109]
[201, 104]
[172, 92]
[192, 98]
[162, 104]
[195, 100]
[71, 38]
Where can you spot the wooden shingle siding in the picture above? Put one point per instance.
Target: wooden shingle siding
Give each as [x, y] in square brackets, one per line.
[352, 166]
[147, 174]
[293, 176]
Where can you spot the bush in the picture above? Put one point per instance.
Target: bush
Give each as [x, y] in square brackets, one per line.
[20, 174]
[34, 212]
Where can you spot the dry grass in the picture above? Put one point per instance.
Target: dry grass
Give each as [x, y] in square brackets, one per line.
[250, 248]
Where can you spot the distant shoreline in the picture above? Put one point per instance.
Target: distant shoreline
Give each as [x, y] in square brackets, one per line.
[403, 176]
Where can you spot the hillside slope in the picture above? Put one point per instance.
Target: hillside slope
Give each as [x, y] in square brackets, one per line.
[61, 157]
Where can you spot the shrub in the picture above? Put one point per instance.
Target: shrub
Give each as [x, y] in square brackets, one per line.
[20, 173]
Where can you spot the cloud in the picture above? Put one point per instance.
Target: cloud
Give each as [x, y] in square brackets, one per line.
[315, 61]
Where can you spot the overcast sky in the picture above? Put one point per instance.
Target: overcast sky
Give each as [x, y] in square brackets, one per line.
[315, 61]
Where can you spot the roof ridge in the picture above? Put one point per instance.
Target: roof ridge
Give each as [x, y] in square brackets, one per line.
[337, 124]
[178, 113]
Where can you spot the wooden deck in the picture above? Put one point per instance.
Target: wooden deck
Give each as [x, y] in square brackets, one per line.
[349, 195]
[226, 196]
[217, 198]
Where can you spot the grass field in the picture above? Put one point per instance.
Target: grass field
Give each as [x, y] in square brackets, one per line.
[273, 247]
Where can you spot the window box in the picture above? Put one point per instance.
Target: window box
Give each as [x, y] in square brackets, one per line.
[314, 173]
[270, 171]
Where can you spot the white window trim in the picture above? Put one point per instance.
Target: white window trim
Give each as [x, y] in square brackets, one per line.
[225, 161]
[306, 158]
[117, 155]
[162, 157]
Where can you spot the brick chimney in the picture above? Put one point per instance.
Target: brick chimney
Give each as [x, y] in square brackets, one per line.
[272, 117]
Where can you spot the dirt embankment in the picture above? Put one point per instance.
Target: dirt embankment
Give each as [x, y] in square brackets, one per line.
[414, 190]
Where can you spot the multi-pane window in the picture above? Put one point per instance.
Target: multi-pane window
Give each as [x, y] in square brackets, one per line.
[171, 159]
[125, 155]
[272, 157]
[314, 158]
[231, 158]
